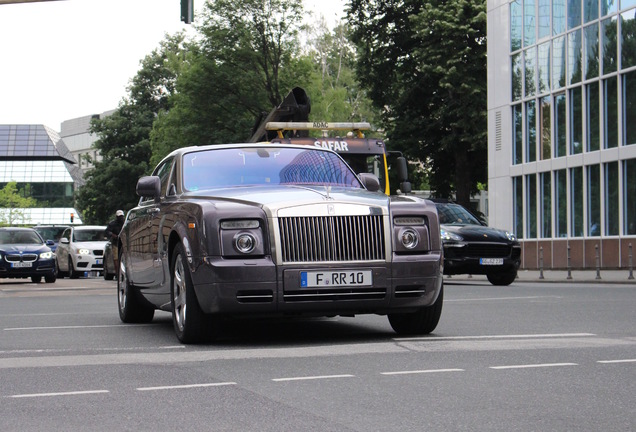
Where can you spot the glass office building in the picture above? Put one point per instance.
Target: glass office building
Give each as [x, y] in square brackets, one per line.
[36, 158]
[562, 130]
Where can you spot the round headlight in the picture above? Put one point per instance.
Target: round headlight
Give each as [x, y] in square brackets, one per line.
[46, 255]
[83, 252]
[244, 243]
[409, 238]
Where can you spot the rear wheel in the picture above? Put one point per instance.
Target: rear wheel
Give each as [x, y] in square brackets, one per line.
[422, 321]
[131, 308]
[190, 323]
[502, 279]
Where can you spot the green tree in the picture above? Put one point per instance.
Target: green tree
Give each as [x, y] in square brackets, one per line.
[424, 64]
[124, 136]
[246, 59]
[12, 205]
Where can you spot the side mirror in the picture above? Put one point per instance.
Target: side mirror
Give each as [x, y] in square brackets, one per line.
[370, 181]
[149, 186]
[64, 240]
[403, 175]
[50, 243]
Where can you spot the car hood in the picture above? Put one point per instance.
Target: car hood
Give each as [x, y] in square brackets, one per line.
[90, 245]
[477, 233]
[293, 195]
[24, 248]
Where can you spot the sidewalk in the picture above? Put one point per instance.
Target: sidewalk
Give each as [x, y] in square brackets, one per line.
[577, 276]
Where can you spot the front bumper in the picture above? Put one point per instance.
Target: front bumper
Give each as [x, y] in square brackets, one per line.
[89, 262]
[259, 287]
[458, 261]
[39, 267]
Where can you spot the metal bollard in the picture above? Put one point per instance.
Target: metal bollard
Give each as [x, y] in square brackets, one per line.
[598, 263]
[569, 265]
[631, 265]
[541, 263]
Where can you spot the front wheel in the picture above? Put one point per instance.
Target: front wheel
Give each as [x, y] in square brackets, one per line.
[131, 309]
[72, 273]
[50, 278]
[502, 279]
[191, 324]
[36, 279]
[422, 321]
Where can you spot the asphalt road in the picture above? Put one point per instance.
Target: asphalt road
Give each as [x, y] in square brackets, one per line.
[528, 357]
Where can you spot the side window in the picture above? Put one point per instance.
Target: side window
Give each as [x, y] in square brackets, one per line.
[163, 171]
[67, 234]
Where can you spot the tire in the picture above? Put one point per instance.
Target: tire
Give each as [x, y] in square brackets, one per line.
[108, 276]
[502, 279]
[423, 321]
[50, 278]
[58, 273]
[131, 308]
[191, 325]
[71, 270]
[36, 279]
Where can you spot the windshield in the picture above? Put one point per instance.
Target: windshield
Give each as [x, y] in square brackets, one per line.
[265, 166]
[450, 214]
[89, 235]
[20, 237]
[51, 233]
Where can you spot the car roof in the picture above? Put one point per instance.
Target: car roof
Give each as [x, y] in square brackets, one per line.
[87, 227]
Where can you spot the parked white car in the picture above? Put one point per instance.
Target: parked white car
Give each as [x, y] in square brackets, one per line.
[81, 249]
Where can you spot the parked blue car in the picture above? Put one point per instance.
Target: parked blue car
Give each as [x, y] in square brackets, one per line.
[24, 254]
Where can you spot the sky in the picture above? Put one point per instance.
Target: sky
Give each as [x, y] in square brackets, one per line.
[71, 58]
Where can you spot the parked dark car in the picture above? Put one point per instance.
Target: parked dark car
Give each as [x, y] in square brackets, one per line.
[51, 232]
[259, 230]
[472, 247]
[24, 254]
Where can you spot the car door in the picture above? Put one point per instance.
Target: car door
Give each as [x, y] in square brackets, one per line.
[62, 252]
[143, 233]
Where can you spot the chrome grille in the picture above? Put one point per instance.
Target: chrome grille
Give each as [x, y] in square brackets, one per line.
[332, 238]
[23, 258]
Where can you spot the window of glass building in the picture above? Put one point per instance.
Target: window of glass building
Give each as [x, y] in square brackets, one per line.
[628, 39]
[529, 22]
[543, 64]
[561, 203]
[517, 134]
[558, 62]
[608, 7]
[610, 47]
[591, 51]
[546, 204]
[574, 13]
[594, 200]
[626, 4]
[516, 17]
[530, 73]
[517, 77]
[574, 57]
[610, 112]
[590, 10]
[611, 198]
[593, 116]
[531, 131]
[531, 205]
[629, 196]
[629, 108]
[559, 125]
[558, 17]
[576, 121]
[517, 191]
[544, 18]
[576, 198]
[546, 127]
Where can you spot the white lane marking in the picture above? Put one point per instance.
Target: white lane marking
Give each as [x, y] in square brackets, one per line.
[73, 393]
[76, 327]
[312, 378]
[421, 371]
[500, 298]
[186, 386]
[617, 361]
[118, 349]
[485, 337]
[533, 366]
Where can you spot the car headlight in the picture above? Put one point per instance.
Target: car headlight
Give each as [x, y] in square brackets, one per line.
[242, 237]
[510, 236]
[409, 238]
[83, 252]
[46, 255]
[448, 236]
[244, 242]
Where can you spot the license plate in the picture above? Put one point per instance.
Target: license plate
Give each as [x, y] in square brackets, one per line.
[21, 264]
[98, 262]
[313, 279]
[491, 261]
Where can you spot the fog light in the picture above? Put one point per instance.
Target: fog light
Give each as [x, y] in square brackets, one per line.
[244, 243]
[409, 238]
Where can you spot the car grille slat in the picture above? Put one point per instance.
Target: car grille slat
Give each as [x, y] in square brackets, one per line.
[484, 250]
[332, 238]
[23, 258]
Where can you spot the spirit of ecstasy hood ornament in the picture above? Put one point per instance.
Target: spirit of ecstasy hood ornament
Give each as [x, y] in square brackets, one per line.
[328, 188]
